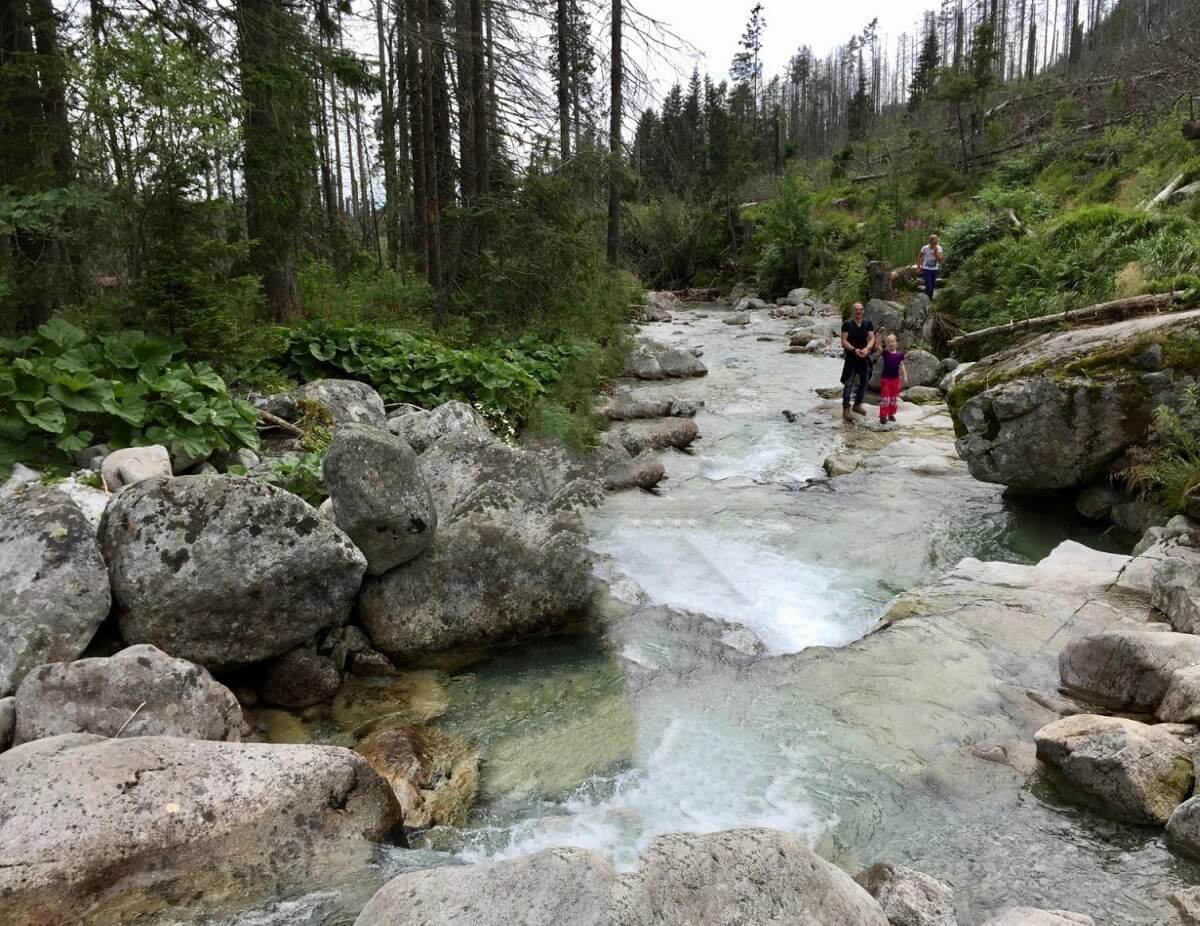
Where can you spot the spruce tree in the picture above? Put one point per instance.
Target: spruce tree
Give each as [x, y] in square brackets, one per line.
[925, 75]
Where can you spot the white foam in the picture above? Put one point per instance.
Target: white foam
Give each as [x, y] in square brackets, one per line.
[789, 605]
[699, 778]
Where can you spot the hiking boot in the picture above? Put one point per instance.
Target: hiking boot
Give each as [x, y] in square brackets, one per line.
[846, 416]
[858, 410]
[892, 419]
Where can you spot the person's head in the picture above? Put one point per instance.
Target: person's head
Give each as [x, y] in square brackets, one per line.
[933, 241]
[891, 343]
[858, 311]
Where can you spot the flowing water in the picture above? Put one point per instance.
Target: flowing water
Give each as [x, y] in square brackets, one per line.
[692, 711]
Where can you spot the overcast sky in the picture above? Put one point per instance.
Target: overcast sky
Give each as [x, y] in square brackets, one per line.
[715, 27]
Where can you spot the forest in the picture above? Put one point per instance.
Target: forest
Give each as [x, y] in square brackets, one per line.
[457, 198]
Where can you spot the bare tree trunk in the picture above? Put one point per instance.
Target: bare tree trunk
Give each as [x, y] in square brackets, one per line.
[466, 109]
[480, 102]
[430, 209]
[387, 145]
[562, 78]
[614, 138]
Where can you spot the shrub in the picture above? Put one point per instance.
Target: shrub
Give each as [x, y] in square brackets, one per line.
[502, 380]
[62, 390]
[1169, 466]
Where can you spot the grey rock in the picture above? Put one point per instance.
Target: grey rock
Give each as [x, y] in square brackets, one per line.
[89, 499]
[90, 458]
[1181, 703]
[280, 404]
[8, 721]
[21, 475]
[679, 364]
[949, 365]
[841, 464]
[624, 406]
[1191, 503]
[1097, 501]
[1134, 516]
[1038, 424]
[1150, 359]
[1183, 829]
[347, 401]
[485, 580]
[238, 823]
[468, 472]
[435, 775]
[748, 304]
[677, 434]
[54, 589]
[924, 369]
[225, 571]
[555, 887]
[797, 296]
[141, 691]
[886, 316]
[744, 876]
[922, 395]
[1032, 916]
[1128, 670]
[301, 678]
[737, 318]
[642, 363]
[1133, 771]
[1175, 591]
[133, 464]
[641, 472]
[422, 429]
[909, 898]
[379, 495]
[1187, 904]
[247, 458]
[738, 877]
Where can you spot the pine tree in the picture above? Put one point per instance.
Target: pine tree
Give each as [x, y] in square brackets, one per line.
[925, 75]
[747, 64]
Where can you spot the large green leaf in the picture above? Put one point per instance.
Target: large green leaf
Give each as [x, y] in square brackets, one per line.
[62, 334]
[46, 414]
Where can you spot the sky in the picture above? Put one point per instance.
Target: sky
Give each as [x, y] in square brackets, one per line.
[715, 27]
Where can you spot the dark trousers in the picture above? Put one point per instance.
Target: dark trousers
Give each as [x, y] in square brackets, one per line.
[930, 276]
[855, 368]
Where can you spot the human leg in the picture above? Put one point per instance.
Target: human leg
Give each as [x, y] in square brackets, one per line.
[930, 276]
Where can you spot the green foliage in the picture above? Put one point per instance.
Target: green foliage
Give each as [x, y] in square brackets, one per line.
[365, 295]
[502, 381]
[61, 390]
[1072, 262]
[787, 234]
[302, 475]
[1169, 466]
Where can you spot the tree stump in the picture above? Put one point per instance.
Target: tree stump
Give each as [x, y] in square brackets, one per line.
[879, 281]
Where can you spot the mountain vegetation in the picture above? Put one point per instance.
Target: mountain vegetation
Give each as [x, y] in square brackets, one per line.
[440, 197]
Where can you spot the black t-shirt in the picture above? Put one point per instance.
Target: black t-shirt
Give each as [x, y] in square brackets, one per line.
[858, 335]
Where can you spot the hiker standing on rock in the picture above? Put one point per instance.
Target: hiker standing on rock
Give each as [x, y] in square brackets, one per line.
[858, 340]
[930, 261]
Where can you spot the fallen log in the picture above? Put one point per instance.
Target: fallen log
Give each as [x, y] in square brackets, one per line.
[1156, 302]
[1166, 193]
[274, 421]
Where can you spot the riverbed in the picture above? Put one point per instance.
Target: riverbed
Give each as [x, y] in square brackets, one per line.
[712, 694]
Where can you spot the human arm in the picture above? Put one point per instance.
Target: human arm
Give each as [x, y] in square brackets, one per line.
[870, 342]
[904, 371]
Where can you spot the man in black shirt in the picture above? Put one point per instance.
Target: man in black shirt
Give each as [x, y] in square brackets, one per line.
[858, 340]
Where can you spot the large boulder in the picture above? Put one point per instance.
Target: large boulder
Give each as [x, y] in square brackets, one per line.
[885, 315]
[679, 364]
[740, 876]
[54, 590]
[909, 898]
[379, 495]
[225, 571]
[468, 472]
[347, 401]
[1133, 771]
[485, 580]
[434, 774]
[1183, 828]
[218, 824]
[141, 691]
[423, 429]
[1055, 412]
[924, 369]
[748, 876]
[1175, 590]
[1181, 703]
[1127, 670]
[554, 887]
[651, 360]
[670, 434]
